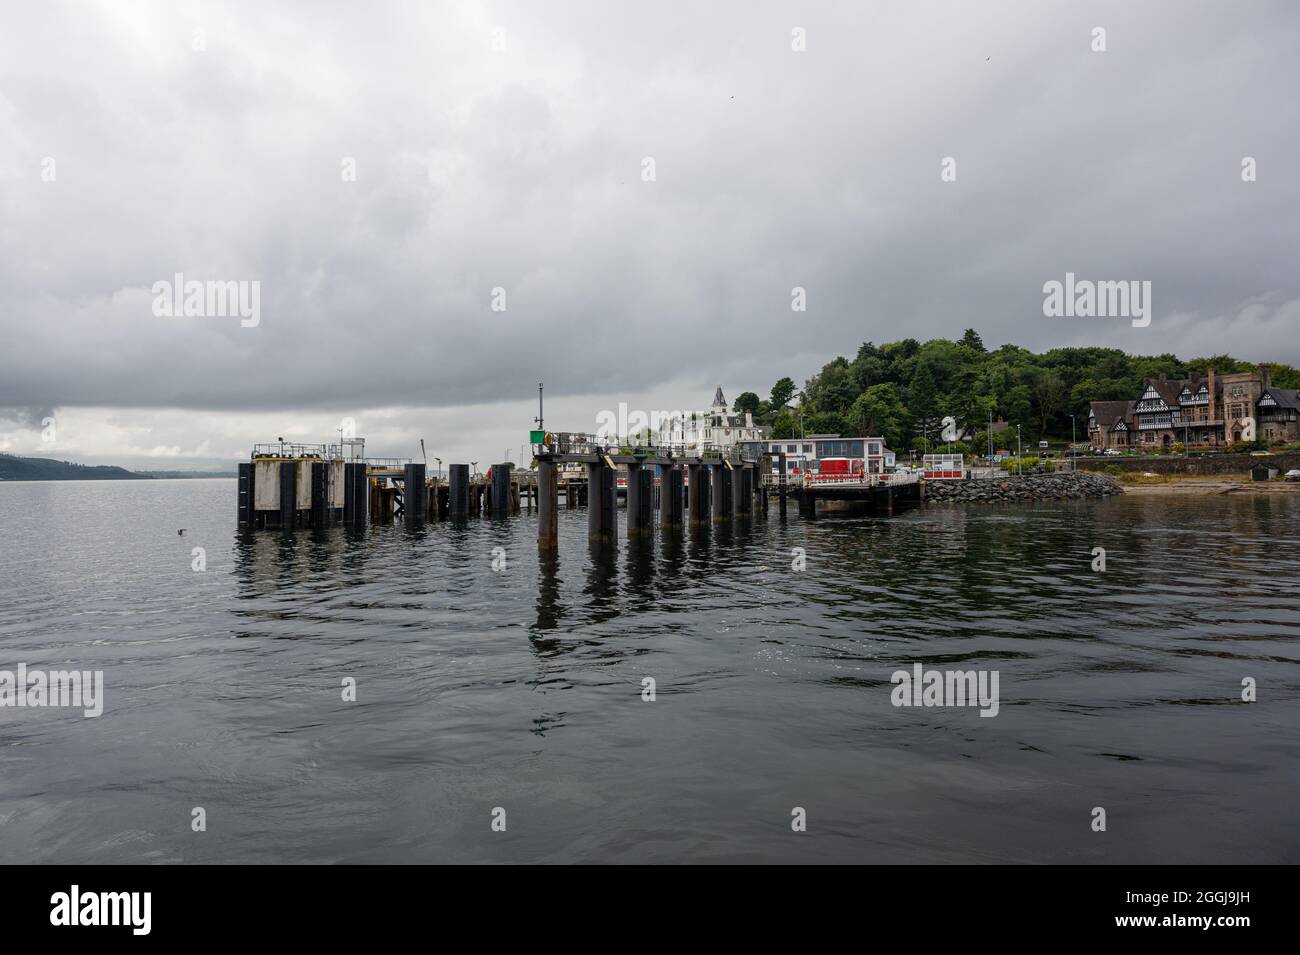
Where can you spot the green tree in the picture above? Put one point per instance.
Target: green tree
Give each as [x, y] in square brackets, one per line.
[746, 401]
[879, 411]
[782, 392]
[785, 425]
[972, 341]
[825, 422]
[1049, 396]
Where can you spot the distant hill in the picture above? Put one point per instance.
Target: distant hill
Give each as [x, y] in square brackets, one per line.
[13, 468]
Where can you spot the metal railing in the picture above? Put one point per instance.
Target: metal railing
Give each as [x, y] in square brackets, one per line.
[288, 449]
[572, 442]
[387, 464]
[892, 479]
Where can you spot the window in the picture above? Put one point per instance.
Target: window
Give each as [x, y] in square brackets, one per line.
[807, 449]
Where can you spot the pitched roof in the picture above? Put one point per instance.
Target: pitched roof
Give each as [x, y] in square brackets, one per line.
[1107, 413]
[1166, 389]
[718, 399]
[1285, 397]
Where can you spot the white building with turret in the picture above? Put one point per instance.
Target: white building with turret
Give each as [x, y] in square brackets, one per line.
[718, 427]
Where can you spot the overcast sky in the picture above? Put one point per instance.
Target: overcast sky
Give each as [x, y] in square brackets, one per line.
[503, 145]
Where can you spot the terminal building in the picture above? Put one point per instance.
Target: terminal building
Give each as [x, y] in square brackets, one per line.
[805, 454]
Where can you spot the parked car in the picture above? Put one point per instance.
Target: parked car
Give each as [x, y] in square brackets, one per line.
[1292, 475]
[1115, 451]
[1261, 454]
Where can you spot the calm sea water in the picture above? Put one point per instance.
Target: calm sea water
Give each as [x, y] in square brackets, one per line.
[521, 689]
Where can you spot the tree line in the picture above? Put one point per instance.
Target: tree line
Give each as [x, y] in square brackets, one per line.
[903, 390]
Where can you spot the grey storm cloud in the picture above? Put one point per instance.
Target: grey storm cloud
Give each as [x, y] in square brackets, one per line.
[521, 168]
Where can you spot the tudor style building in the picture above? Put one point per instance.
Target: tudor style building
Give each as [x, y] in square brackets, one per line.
[1109, 424]
[1209, 411]
[1278, 414]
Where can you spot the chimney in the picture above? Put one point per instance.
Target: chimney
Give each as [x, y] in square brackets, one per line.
[1265, 376]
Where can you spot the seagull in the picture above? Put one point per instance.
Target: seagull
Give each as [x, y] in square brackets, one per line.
[181, 532]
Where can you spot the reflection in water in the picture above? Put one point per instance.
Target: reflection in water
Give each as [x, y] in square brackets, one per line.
[602, 576]
[640, 572]
[522, 686]
[549, 611]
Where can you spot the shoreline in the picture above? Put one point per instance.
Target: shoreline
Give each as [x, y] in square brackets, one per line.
[1209, 487]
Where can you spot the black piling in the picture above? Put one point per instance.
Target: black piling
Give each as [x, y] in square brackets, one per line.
[320, 501]
[356, 494]
[247, 514]
[500, 490]
[415, 494]
[699, 493]
[670, 497]
[744, 490]
[288, 493]
[781, 479]
[716, 472]
[807, 505]
[548, 507]
[458, 491]
[723, 504]
[601, 515]
[640, 499]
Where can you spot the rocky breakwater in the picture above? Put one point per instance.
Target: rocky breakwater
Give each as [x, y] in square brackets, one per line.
[1047, 487]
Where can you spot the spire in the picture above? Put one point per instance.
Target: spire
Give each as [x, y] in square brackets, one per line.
[718, 400]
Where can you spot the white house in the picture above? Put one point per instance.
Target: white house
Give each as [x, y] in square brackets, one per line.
[718, 427]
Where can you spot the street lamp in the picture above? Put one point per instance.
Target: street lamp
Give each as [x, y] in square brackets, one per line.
[1073, 459]
[439, 460]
